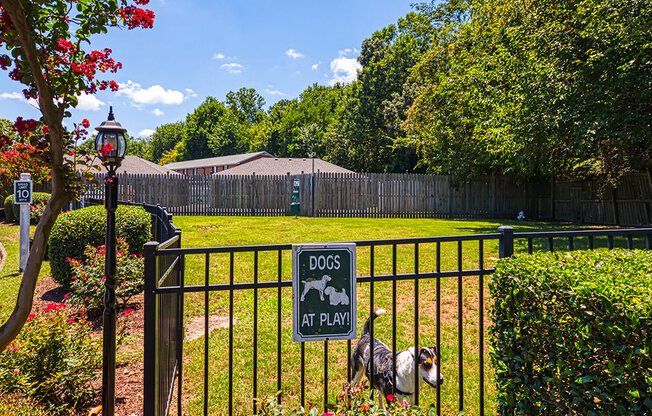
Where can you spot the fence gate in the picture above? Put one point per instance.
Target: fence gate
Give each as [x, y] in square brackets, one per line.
[436, 282]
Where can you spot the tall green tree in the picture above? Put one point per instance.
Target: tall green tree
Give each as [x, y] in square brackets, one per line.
[246, 104]
[301, 126]
[200, 125]
[368, 134]
[141, 147]
[539, 89]
[164, 139]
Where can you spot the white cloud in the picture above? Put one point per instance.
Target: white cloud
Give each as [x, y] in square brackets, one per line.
[146, 133]
[20, 97]
[152, 95]
[345, 70]
[293, 54]
[12, 96]
[190, 93]
[314, 67]
[218, 56]
[274, 92]
[233, 67]
[88, 102]
[157, 112]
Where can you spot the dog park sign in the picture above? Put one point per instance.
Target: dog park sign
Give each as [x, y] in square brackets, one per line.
[323, 288]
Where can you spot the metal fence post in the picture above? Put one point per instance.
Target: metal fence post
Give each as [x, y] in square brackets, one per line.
[149, 342]
[506, 241]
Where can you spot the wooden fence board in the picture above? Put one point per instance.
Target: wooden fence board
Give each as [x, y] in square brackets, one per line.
[390, 195]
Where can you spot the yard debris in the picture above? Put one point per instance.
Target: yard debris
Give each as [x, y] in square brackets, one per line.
[95, 411]
[195, 329]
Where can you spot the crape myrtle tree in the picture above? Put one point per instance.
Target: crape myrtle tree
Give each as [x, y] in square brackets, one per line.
[46, 43]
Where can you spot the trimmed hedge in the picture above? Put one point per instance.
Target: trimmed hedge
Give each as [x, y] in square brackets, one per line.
[12, 211]
[74, 230]
[9, 208]
[572, 333]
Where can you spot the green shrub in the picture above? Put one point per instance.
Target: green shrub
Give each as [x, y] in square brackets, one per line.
[74, 230]
[12, 211]
[572, 333]
[52, 360]
[9, 208]
[87, 281]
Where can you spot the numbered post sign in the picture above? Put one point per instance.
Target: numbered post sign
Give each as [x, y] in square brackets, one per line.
[22, 192]
[324, 296]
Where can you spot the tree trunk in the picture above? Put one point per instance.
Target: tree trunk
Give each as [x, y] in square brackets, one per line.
[53, 117]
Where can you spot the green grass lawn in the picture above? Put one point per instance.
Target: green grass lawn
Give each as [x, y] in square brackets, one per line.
[233, 231]
[229, 231]
[9, 275]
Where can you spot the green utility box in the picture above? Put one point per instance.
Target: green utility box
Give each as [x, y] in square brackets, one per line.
[294, 208]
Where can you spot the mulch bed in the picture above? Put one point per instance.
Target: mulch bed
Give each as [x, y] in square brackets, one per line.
[128, 376]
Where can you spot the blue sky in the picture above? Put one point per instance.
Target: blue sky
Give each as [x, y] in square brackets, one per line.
[207, 48]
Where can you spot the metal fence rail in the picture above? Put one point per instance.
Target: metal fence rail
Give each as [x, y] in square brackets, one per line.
[166, 287]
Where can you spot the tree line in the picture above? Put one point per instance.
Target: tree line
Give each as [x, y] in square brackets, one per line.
[529, 89]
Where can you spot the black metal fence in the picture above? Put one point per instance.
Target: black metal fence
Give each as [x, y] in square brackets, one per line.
[166, 287]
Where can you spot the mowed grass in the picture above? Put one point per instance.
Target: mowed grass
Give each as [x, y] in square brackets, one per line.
[236, 231]
[10, 277]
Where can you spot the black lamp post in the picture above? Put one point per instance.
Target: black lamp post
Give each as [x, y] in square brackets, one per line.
[111, 147]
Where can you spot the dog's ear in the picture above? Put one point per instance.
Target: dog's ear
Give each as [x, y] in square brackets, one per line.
[424, 355]
[427, 355]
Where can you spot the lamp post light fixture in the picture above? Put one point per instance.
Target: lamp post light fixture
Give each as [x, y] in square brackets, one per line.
[111, 147]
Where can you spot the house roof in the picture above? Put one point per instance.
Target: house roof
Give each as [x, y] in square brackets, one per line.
[217, 161]
[137, 165]
[283, 166]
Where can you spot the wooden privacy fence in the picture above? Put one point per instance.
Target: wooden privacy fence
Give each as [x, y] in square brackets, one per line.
[391, 195]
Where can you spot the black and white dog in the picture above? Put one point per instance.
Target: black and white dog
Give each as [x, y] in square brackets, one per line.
[383, 358]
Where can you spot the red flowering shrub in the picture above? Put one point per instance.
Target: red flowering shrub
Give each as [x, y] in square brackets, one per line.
[22, 158]
[36, 212]
[53, 360]
[87, 281]
[352, 400]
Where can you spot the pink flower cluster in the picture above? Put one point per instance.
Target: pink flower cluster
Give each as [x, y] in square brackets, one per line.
[54, 307]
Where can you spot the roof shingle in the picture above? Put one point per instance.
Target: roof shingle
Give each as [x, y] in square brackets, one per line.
[283, 166]
[216, 161]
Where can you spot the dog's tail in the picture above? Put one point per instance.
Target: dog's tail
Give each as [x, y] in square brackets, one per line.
[365, 329]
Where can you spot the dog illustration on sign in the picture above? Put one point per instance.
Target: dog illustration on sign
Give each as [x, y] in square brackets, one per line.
[320, 285]
[335, 297]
